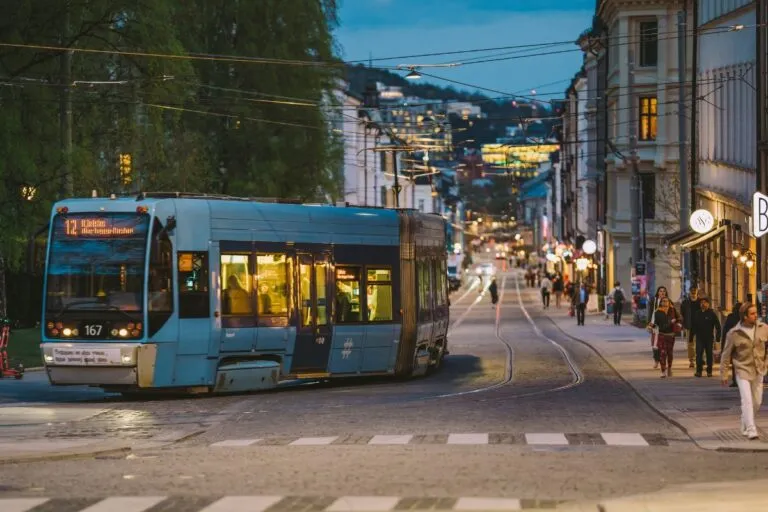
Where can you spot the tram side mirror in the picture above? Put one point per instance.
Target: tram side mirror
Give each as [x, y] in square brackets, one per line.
[170, 223]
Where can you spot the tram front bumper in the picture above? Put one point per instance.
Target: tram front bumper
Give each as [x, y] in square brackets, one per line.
[100, 364]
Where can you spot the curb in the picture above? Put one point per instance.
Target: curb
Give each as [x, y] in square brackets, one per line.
[648, 402]
[64, 456]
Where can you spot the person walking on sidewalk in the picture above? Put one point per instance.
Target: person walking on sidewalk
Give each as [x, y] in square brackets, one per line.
[557, 287]
[665, 339]
[689, 309]
[581, 299]
[546, 286]
[618, 297]
[706, 324]
[731, 321]
[661, 293]
[746, 343]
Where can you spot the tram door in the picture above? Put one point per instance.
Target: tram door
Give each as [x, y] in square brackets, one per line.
[313, 334]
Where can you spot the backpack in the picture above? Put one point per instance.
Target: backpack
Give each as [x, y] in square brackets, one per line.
[618, 296]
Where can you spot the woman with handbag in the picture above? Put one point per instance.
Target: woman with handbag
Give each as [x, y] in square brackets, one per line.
[664, 320]
[661, 293]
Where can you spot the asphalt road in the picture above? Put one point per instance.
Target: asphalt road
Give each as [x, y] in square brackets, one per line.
[518, 411]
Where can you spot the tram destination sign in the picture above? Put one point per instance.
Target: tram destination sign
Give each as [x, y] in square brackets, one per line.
[101, 226]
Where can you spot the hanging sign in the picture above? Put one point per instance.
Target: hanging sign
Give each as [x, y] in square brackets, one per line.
[759, 214]
[702, 221]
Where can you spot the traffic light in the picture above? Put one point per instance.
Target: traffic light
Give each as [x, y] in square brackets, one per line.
[126, 169]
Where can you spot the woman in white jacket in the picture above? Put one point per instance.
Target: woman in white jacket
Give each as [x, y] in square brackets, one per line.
[746, 343]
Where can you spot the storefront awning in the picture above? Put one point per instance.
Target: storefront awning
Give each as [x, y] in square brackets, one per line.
[701, 239]
[681, 237]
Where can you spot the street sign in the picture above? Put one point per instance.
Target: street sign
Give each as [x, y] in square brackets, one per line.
[759, 214]
[702, 221]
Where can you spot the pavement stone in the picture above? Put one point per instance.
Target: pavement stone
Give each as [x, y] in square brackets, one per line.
[707, 412]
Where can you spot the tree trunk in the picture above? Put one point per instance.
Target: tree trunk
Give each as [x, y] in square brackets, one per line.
[3, 303]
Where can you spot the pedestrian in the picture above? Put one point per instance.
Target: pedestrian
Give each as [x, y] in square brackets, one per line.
[546, 286]
[706, 323]
[731, 321]
[689, 309]
[665, 339]
[557, 287]
[618, 297]
[581, 299]
[746, 343]
[494, 291]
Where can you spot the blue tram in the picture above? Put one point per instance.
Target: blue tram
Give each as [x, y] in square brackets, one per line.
[175, 291]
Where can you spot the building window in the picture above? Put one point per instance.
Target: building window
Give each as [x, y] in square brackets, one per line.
[379, 291]
[649, 45]
[648, 189]
[648, 118]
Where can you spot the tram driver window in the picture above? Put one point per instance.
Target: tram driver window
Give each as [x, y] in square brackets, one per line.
[348, 307]
[379, 295]
[272, 289]
[194, 300]
[160, 300]
[236, 291]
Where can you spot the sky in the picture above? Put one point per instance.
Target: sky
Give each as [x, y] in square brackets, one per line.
[393, 28]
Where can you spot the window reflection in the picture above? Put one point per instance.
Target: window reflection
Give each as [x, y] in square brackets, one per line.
[348, 295]
[379, 295]
[236, 285]
[272, 289]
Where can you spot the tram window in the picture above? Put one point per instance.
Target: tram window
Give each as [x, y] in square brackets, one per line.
[194, 299]
[160, 288]
[348, 308]
[379, 295]
[236, 290]
[305, 293]
[422, 278]
[321, 286]
[272, 289]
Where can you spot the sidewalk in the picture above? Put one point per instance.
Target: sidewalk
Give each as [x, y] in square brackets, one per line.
[708, 412]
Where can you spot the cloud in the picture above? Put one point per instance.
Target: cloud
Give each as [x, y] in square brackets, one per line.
[506, 29]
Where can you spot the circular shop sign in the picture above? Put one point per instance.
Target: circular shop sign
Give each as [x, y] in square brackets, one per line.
[702, 221]
[589, 246]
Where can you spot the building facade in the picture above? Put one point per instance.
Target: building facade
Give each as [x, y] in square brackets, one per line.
[723, 258]
[642, 86]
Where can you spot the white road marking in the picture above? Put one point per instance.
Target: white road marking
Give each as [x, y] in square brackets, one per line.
[363, 504]
[314, 441]
[624, 439]
[557, 439]
[487, 504]
[125, 504]
[385, 439]
[235, 442]
[20, 504]
[467, 439]
[243, 504]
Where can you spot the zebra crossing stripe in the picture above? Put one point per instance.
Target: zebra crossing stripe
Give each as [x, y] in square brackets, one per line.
[624, 440]
[21, 504]
[235, 443]
[243, 504]
[314, 441]
[383, 439]
[125, 504]
[549, 439]
[367, 503]
[467, 438]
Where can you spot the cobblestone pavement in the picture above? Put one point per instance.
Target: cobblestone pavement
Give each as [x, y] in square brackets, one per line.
[520, 412]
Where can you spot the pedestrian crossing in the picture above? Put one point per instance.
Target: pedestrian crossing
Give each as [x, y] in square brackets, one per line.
[268, 503]
[625, 439]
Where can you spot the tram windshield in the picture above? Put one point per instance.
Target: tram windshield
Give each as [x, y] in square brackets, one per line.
[96, 262]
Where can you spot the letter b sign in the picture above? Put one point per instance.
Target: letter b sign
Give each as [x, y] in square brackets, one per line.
[759, 214]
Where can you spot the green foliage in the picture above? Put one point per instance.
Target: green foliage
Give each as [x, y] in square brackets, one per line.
[205, 124]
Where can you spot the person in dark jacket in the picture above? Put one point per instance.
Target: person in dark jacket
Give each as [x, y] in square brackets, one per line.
[493, 289]
[688, 310]
[666, 337]
[731, 321]
[706, 324]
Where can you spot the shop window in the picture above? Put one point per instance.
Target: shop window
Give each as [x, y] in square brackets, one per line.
[272, 289]
[348, 307]
[379, 295]
[194, 298]
[236, 297]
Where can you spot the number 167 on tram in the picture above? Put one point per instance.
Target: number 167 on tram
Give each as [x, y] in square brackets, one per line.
[201, 294]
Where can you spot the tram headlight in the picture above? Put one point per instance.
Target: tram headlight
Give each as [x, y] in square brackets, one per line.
[48, 358]
[127, 359]
[123, 332]
[66, 331]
